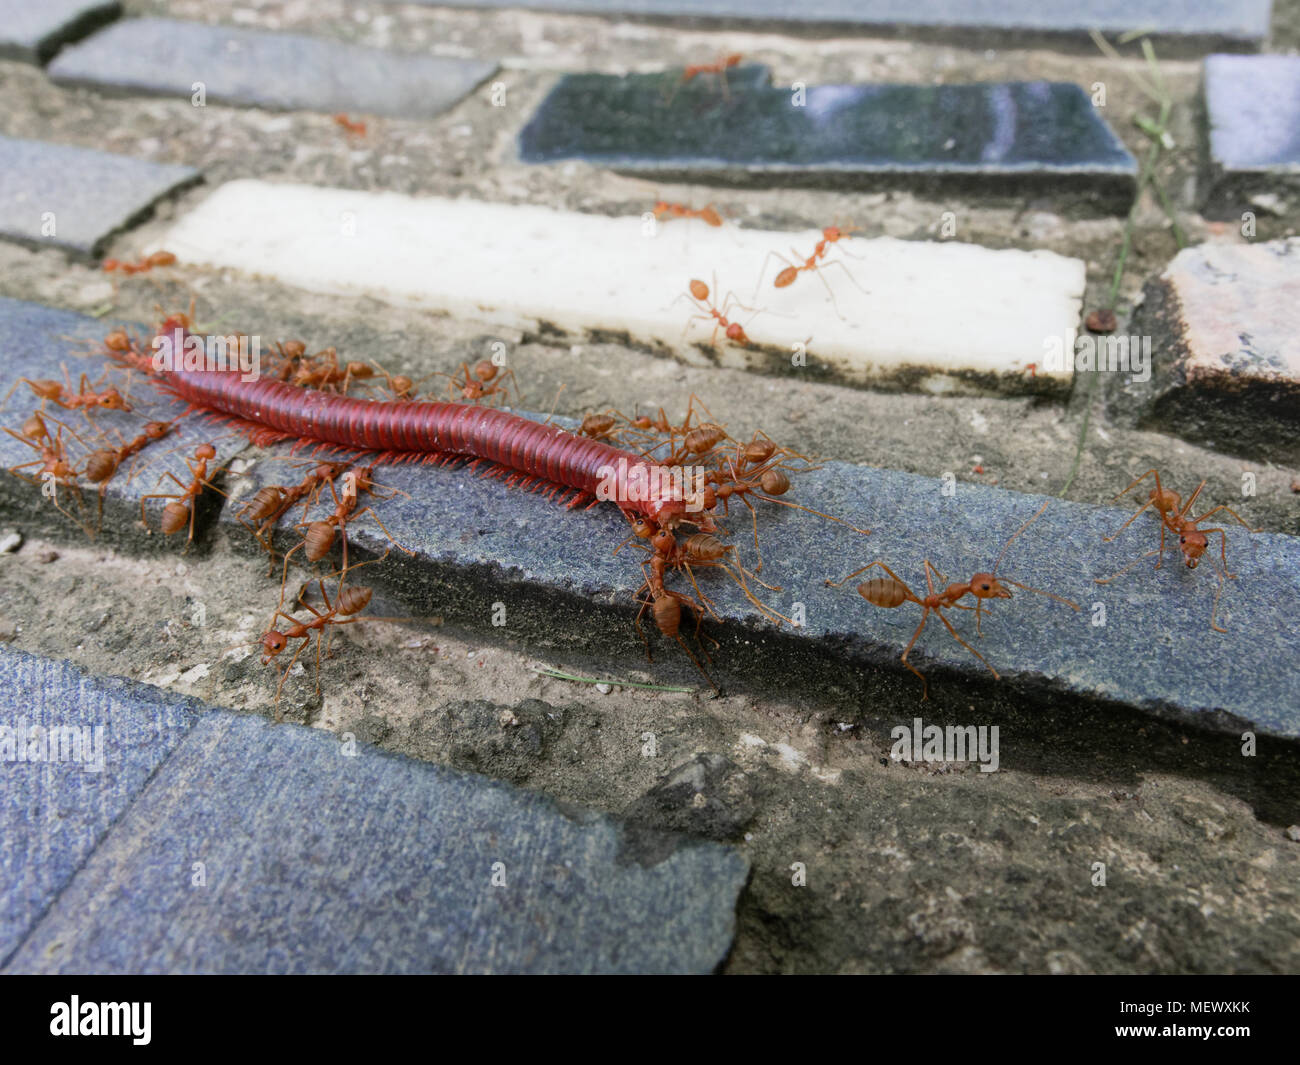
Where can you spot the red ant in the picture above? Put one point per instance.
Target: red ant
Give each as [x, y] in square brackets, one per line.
[734, 331]
[1192, 541]
[320, 535]
[758, 472]
[158, 258]
[61, 395]
[815, 262]
[55, 467]
[720, 68]
[889, 592]
[270, 502]
[348, 602]
[707, 214]
[481, 382]
[181, 509]
[356, 129]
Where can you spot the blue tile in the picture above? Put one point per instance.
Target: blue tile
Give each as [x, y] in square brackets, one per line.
[257, 68]
[36, 342]
[113, 736]
[75, 198]
[33, 30]
[998, 134]
[315, 861]
[1252, 108]
[479, 542]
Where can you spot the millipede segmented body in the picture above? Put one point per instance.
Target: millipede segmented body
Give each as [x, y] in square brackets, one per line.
[272, 410]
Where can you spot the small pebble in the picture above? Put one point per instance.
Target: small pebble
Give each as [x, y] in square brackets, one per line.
[1293, 833]
[1102, 321]
[10, 541]
[46, 557]
[604, 689]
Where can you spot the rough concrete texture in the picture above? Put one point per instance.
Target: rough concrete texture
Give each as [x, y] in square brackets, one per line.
[74, 198]
[1220, 321]
[76, 752]
[913, 867]
[1252, 151]
[35, 31]
[263, 849]
[280, 71]
[38, 343]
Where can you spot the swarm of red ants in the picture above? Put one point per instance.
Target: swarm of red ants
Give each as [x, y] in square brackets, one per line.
[754, 472]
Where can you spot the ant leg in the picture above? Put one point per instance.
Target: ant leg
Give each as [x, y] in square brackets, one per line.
[767, 259]
[1214, 608]
[1141, 558]
[925, 684]
[1038, 591]
[1223, 551]
[967, 646]
[1137, 481]
[1216, 510]
[371, 512]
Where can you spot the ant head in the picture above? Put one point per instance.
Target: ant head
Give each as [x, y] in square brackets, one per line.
[117, 340]
[643, 528]
[987, 586]
[156, 430]
[111, 399]
[733, 60]
[1192, 545]
[699, 290]
[293, 349]
[663, 542]
[205, 451]
[273, 643]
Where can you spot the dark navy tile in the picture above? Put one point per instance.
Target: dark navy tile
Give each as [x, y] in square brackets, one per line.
[1252, 106]
[278, 849]
[75, 198]
[1225, 367]
[74, 752]
[996, 136]
[1179, 24]
[256, 68]
[479, 543]
[34, 30]
[37, 343]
